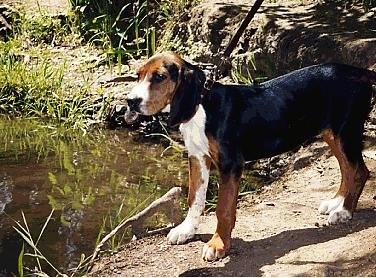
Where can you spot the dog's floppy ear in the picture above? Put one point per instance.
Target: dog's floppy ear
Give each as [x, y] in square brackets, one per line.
[187, 95]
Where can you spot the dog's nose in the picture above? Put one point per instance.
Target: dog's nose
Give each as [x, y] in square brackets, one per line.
[133, 103]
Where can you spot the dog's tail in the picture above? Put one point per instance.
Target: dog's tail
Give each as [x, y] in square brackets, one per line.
[366, 76]
[362, 75]
[371, 76]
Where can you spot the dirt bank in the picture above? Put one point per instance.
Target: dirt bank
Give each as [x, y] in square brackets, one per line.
[284, 35]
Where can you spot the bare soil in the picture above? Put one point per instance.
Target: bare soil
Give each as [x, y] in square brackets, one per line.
[284, 34]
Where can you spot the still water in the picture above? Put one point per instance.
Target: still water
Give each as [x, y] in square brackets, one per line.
[91, 181]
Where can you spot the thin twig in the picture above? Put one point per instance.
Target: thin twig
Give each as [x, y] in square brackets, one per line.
[169, 203]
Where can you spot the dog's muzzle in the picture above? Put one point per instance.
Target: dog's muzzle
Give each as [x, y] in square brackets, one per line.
[133, 111]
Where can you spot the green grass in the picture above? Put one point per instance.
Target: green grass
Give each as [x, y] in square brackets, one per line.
[37, 81]
[130, 30]
[36, 254]
[122, 31]
[244, 71]
[39, 89]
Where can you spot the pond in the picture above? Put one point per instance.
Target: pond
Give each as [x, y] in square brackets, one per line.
[91, 182]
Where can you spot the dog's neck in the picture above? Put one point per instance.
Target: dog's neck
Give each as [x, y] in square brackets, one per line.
[208, 86]
[209, 82]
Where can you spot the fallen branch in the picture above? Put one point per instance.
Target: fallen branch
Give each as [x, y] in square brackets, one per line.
[168, 203]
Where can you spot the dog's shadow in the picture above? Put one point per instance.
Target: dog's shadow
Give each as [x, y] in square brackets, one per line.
[246, 258]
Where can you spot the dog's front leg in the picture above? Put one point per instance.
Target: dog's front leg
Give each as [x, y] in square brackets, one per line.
[199, 166]
[226, 215]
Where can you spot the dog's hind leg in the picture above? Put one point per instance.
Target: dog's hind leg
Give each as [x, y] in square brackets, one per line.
[354, 176]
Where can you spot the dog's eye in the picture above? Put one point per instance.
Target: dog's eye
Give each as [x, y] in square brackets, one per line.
[158, 78]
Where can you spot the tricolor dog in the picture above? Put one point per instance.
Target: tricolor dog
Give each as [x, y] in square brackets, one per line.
[227, 125]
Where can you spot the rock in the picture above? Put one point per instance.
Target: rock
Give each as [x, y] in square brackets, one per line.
[302, 161]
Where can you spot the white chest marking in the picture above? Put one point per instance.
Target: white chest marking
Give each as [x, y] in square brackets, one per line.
[194, 135]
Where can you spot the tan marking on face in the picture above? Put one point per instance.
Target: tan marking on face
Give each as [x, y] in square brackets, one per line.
[160, 92]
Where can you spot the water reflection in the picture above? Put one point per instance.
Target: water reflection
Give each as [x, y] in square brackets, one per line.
[86, 179]
[6, 188]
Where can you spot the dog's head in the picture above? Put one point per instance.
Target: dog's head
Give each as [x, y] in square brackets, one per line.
[166, 79]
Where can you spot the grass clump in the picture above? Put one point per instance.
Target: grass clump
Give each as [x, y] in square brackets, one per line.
[39, 89]
[367, 4]
[38, 81]
[127, 28]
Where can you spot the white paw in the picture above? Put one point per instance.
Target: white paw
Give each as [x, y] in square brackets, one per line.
[182, 233]
[334, 207]
[211, 254]
[339, 216]
[327, 206]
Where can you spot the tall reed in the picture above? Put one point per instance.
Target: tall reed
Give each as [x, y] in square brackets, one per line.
[39, 89]
[127, 28]
[37, 82]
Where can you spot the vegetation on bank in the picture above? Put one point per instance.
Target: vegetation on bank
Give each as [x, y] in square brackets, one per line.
[37, 81]
[127, 28]
[42, 76]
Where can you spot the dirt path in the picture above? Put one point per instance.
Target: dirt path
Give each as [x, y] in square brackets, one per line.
[278, 232]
